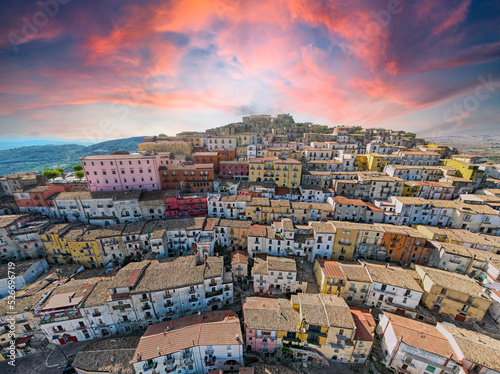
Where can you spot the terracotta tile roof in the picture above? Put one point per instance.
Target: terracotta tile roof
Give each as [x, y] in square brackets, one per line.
[322, 227]
[180, 272]
[453, 281]
[270, 314]
[356, 272]
[331, 269]
[325, 310]
[453, 249]
[258, 230]
[281, 264]
[239, 257]
[392, 275]
[363, 324]
[108, 355]
[420, 335]
[478, 348]
[209, 328]
[346, 201]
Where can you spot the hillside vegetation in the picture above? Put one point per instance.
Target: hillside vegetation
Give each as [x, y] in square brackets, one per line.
[41, 157]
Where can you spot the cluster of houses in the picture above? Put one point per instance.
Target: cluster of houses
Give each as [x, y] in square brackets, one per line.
[325, 240]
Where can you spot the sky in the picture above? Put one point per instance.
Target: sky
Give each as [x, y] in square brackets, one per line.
[117, 68]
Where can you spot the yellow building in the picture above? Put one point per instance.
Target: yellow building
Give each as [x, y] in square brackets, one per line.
[411, 189]
[452, 294]
[350, 281]
[344, 244]
[85, 252]
[319, 321]
[466, 170]
[439, 234]
[176, 147]
[258, 210]
[56, 247]
[284, 172]
[327, 324]
[195, 139]
[236, 231]
[329, 277]
[283, 152]
[361, 162]
[377, 162]
[241, 152]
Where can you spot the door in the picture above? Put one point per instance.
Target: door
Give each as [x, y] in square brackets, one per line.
[62, 341]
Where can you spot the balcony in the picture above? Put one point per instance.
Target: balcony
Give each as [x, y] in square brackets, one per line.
[214, 293]
[58, 330]
[260, 280]
[149, 367]
[146, 307]
[193, 299]
[214, 301]
[59, 317]
[386, 291]
[81, 328]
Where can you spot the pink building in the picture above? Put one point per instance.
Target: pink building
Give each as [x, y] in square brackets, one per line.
[264, 318]
[122, 172]
[233, 169]
[187, 205]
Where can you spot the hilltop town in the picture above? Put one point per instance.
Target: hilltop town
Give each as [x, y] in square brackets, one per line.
[258, 245]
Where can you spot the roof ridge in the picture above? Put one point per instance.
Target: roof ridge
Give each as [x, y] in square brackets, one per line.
[324, 308]
[419, 331]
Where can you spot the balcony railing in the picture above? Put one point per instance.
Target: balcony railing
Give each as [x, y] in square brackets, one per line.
[214, 293]
[385, 291]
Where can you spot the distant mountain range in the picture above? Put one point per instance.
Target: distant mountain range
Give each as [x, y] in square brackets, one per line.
[10, 141]
[40, 157]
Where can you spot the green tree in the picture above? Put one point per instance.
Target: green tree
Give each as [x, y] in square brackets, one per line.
[77, 167]
[60, 170]
[51, 174]
[162, 134]
[79, 174]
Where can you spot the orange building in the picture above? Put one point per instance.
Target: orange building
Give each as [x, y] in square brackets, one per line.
[187, 178]
[405, 244]
[215, 157]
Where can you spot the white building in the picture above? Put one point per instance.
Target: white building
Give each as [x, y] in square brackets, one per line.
[239, 265]
[392, 288]
[415, 347]
[180, 287]
[451, 257]
[324, 237]
[22, 273]
[60, 314]
[275, 275]
[95, 310]
[219, 142]
[99, 208]
[211, 340]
